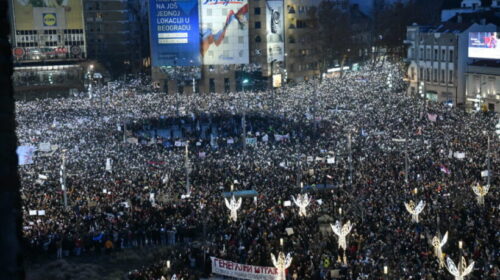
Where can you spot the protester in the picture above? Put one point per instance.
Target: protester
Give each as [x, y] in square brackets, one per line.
[350, 133]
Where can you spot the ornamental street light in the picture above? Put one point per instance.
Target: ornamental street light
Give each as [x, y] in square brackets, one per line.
[302, 201]
[461, 271]
[342, 231]
[438, 246]
[233, 205]
[415, 210]
[481, 192]
[281, 263]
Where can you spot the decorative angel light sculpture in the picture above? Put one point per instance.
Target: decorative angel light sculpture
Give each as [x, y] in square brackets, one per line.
[481, 192]
[438, 245]
[415, 210]
[233, 205]
[461, 271]
[302, 202]
[282, 263]
[342, 231]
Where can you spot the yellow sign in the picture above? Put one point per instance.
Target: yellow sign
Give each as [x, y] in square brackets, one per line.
[49, 19]
[277, 80]
[40, 14]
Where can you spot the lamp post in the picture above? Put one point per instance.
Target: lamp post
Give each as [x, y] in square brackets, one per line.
[272, 85]
[349, 147]
[63, 178]
[386, 271]
[187, 167]
[91, 77]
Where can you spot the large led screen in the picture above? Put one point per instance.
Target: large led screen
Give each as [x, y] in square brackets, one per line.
[484, 45]
[174, 30]
[275, 30]
[224, 32]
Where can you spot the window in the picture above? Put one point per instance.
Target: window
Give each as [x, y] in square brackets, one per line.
[421, 54]
[450, 79]
[257, 25]
[436, 58]
[258, 39]
[435, 75]
[291, 39]
[442, 76]
[256, 11]
[301, 24]
[427, 75]
[451, 56]
[443, 55]
[211, 85]
[227, 85]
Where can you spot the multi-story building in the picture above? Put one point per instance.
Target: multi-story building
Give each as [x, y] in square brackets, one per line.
[49, 45]
[273, 45]
[482, 80]
[117, 39]
[438, 59]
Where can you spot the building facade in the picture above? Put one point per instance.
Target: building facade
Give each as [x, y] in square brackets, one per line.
[482, 90]
[48, 45]
[116, 35]
[278, 46]
[438, 60]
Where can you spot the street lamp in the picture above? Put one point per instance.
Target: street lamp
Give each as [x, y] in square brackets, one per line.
[62, 174]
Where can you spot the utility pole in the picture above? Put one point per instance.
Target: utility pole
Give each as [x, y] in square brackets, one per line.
[244, 129]
[188, 168]
[63, 178]
[489, 161]
[406, 160]
[349, 144]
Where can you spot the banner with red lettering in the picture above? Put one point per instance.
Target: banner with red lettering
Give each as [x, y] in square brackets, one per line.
[243, 271]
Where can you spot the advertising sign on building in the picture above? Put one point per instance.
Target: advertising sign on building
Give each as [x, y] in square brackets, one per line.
[275, 30]
[484, 45]
[224, 32]
[174, 31]
[45, 30]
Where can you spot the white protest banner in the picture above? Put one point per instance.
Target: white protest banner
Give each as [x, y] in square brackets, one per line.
[251, 141]
[287, 203]
[459, 155]
[265, 138]
[178, 143]
[289, 231]
[132, 140]
[32, 212]
[41, 212]
[230, 141]
[330, 160]
[108, 165]
[25, 154]
[243, 271]
[44, 147]
[484, 173]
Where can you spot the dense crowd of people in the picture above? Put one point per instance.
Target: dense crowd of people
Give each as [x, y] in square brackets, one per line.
[126, 188]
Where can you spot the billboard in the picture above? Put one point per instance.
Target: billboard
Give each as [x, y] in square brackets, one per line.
[484, 45]
[48, 14]
[48, 30]
[275, 30]
[224, 32]
[174, 33]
